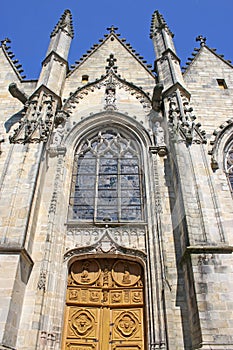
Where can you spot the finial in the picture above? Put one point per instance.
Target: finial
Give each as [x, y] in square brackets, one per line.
[5, 41]
[111, 63]
[112, 29]
[202, 40]
[65, 24]
[158, 22]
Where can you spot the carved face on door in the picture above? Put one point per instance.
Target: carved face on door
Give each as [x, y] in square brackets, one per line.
[104, 306]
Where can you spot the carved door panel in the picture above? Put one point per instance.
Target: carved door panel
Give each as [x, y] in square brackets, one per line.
[104, 306]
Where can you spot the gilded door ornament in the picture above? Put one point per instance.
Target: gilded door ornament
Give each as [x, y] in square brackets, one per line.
[86, 272]
[126, 273]
[116, 297]
[126, 324]
[137, 297]
[104, 306]
[73, 294]
[82, 322]
[94, 296]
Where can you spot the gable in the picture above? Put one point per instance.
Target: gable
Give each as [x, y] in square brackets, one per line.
[94, 66]
[201, 79]
[206, 67]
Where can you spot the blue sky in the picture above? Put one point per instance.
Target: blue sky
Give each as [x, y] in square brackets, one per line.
[29, 23]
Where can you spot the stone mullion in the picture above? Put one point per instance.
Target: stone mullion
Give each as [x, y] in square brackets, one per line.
[56, 259]
[155, 262]
[47, 289]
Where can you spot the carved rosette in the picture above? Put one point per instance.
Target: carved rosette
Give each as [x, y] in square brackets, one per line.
[82, 322]
[126, 324]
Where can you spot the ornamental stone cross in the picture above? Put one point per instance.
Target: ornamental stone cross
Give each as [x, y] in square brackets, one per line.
[112, 29]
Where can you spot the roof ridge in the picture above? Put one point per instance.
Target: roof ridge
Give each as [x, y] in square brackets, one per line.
[95, 46]
[10, 55]
[65, 24]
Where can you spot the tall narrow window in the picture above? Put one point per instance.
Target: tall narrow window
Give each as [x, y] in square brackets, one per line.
[229, 164]
[107, 179]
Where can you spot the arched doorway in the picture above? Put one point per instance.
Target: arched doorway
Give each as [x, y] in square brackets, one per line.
[104, 306]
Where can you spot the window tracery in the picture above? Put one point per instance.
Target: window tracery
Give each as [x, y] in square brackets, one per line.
[229, 164]
[107, 179]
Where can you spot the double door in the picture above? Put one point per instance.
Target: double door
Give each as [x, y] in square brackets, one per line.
[104, 306]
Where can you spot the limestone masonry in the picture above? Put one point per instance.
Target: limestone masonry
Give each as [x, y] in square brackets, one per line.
[116, 185]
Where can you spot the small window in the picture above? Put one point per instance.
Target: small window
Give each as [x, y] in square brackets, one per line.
[85, 79]
[222, 84]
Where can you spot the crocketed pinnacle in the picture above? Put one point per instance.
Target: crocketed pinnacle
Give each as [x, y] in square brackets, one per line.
[65, 24]
[158, 22]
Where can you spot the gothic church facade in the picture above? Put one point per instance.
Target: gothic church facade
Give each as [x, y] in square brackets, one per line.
[116, 198]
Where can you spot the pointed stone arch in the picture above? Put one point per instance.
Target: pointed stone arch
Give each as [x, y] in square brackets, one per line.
[98, 120]
[74, 99]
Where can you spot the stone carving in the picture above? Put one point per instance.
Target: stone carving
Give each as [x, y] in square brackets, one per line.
[57, 188]
[110, 240]
[202, 40]
[160, 146]
[42, 280]
[111, 63]
[229, 164]
[223, 129]
[110, 95]
[58, 136]
[37, 119]
[159, 134]
[181, 121]
[78, 95]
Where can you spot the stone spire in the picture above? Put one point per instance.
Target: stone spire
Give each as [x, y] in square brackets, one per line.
[61, 36]
[167, 62]
[55, 63]
[65, 24]
[158, 22]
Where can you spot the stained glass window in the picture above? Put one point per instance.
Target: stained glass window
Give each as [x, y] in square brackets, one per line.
[229, 164]
[107, 179]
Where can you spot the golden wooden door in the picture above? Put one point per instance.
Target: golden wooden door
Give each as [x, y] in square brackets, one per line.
[104, 306]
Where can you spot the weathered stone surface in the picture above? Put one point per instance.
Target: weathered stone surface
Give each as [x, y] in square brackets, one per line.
[184, 240]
